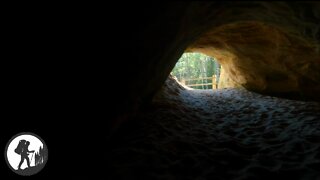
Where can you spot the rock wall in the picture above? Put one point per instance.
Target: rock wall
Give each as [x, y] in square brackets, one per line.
[264, 58]
[267, 47]
[225, 81]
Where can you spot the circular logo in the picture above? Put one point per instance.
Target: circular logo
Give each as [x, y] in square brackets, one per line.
[26, 154]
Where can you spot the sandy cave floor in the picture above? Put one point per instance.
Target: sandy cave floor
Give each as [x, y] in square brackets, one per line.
[222, 134]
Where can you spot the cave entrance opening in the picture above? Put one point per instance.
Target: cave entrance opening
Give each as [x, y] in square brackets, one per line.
[197, 71]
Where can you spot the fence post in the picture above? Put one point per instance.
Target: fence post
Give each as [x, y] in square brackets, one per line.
[183, 81]
[214, 86]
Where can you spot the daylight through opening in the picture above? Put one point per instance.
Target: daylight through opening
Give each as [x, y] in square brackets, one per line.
[197, 71]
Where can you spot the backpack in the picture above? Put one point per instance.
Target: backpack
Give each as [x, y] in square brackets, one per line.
[18, 150]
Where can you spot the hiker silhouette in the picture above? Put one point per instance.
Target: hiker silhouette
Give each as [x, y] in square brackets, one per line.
[24, 152]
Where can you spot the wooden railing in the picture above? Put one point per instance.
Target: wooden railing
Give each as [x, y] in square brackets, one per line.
[212, 79]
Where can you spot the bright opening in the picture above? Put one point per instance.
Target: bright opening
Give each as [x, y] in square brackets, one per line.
[197, 71]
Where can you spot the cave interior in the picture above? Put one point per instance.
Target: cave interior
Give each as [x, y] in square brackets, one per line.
[95, 84]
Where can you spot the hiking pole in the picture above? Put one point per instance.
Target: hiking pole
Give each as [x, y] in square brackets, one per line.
[32, 157]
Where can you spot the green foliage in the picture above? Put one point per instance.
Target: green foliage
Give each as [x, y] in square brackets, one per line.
[196, 65]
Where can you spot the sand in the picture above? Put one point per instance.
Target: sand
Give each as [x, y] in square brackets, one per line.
[221, 134]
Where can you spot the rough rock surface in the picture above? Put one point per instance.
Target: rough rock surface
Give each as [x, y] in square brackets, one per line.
[225, 81]
[264, 53]
[222, 134]
[269, 47]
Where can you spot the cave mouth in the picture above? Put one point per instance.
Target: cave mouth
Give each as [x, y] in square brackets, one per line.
[197, 71]
[262, 58]
[228, 133]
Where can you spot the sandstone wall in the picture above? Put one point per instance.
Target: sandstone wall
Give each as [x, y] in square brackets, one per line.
[267, 47]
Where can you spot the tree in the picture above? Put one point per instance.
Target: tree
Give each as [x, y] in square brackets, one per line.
[196, 65]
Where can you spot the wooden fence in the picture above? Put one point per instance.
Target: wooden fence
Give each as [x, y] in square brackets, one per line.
[212, 79]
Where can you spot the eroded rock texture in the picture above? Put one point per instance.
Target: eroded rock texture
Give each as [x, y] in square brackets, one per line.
[223, 134]
[267, 47]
